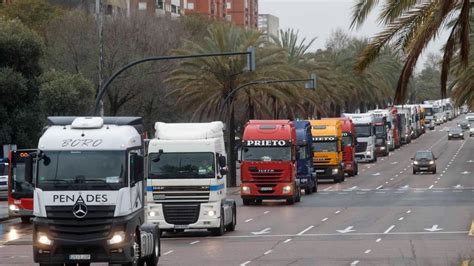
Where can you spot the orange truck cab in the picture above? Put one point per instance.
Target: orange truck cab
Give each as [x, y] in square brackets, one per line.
[328, 149]
[268, 162]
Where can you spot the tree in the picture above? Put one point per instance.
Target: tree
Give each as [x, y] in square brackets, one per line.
[410, 26]
[20, 115]
[35, 14]
[63, 94]
[202, 84]
[426, 83]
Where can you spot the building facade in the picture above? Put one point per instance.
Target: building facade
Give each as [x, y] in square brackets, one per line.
[243, 13]
[269, 25]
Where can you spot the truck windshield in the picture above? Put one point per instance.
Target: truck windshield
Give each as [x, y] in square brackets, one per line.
[20, 188]
[266, 154]
[182, 165]
[329, 146]
[363, 131]
[84, 170]
[428, 111]
[347, 140]
[380, 130]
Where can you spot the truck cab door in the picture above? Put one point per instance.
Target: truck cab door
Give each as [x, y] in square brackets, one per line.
[136, 167]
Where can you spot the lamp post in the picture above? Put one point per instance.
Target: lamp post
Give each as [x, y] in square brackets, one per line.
[250, 67]
[310, 84]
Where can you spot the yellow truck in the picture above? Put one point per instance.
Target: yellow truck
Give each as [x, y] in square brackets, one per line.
[327, 148]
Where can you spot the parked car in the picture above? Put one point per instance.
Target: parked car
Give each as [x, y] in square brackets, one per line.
[424, 161]
[455, 133]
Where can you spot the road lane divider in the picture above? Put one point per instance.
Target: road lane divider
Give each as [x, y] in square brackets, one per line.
[389, 229]
[168, 252]
[305, 230]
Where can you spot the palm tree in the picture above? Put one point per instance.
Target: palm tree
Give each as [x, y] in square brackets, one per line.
[203, 83]
[410, 25]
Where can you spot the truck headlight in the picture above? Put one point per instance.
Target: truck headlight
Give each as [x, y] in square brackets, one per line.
[211, 213]
[245, 189]
[118, 237]
[382, 148]
[13, 208]
[368, 153]
[335, 171]
[44, 239]
[450, 134]
[286, 189]
[152, 213]
[431, 162]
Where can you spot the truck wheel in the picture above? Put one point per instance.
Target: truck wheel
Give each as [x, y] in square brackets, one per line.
[247, 201]
[152, 260]
[231, 227]
[221, 229]
[290, 200]
[356, 167]
[25, 219]
[315, 187]
[298, 196]
[308, 191]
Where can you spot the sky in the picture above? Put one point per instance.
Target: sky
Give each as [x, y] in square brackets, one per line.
[319, 18]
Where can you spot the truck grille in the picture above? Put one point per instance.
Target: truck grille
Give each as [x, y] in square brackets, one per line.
[181, 214]
[181, 194]
[274, 176]
[97, 223]
[361, 146]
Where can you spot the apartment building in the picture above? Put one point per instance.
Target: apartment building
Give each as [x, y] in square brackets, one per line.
[269, 25]
[243, 13]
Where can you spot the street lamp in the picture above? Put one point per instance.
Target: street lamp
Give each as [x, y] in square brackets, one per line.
[310, 84]
[250, 67]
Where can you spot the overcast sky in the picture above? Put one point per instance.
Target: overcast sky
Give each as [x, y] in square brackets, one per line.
[319, 18]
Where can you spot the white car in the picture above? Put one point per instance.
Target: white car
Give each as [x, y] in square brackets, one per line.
[3, 180]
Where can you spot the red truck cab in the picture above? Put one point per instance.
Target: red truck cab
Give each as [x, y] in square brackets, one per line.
[268, 162]
[349, 141]
[394, 127]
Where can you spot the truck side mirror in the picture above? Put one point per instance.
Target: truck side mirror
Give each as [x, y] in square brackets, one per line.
[222, 161]
[223, 172]
[29, 169]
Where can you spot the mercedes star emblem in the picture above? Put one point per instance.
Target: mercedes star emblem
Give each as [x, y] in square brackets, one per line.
[79, 210]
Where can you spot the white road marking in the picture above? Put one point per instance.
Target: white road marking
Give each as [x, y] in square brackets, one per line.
[457, 191]
[434, 228]
[379, 187]
[389, 229]
[336, 212]
[458, 186]
[286, 241]
[436, 182]
[378, 240]
[267, 252]
[431, 186]
[195, 242]
[438, 191]
[265, 212]
[396, 175]
[401, 172]
[409, 211]
[354, 263]
[439, 178]
[168, 252]
[305, 230]
[393, 162]
[391, 179]
[248, 220]
[245, 263]
[376, 174]
[380, 192]
[401, 218]
[326, 189]
[347, 230]
[351, 189]
[261, 232]
[367, 251]
[325, 219]
[386, 182]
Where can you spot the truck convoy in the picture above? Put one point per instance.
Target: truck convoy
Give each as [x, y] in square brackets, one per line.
[327, 148]
[187, 178]
[268, 163]
[89, 193]
[365, 133]
[305, 173]
[20, 192]
[351, 167]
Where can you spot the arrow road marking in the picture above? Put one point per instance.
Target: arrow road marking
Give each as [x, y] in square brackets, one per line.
[354, 263]
[264, 231]
[347, 230]
[470, 161]
[376, 174]
[351, 189]
[434, 228]
[405, 187]
[458, 186]
[465, 173]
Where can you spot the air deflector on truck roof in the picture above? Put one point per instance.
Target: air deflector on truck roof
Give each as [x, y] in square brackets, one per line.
[136, 122]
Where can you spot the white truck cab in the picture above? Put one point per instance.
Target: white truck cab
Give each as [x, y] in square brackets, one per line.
[187, 178]
[89, 193]
[365, 133]
[383, 129]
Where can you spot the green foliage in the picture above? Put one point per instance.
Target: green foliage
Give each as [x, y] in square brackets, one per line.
[35, 14]
[20, 48]
[64, 94]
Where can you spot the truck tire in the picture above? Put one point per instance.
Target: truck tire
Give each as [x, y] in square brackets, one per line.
[356, 167]
[247, 201]
[25, 219]
[308, 191]
[231, 227]
[298, 195]
[290, 200]
[315, 187]
[219, 231]
[152, 260]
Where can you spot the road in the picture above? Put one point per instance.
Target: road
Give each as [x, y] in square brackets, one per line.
[384, 216]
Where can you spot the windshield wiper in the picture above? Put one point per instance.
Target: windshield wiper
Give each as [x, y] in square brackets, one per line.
[98, 181]
[65, 182]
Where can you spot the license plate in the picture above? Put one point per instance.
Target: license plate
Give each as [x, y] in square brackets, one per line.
[320, 171]
[181, 226]
[80, 257]
[266, 189]
[423, 168]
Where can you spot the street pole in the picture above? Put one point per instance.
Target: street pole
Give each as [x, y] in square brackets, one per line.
[250, 67]
[100, 24]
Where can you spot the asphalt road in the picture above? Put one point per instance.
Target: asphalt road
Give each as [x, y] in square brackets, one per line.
[384, 216]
